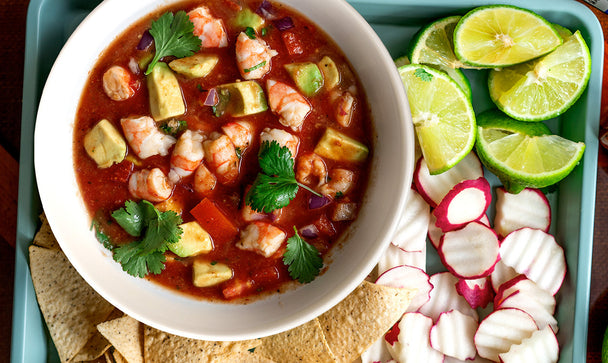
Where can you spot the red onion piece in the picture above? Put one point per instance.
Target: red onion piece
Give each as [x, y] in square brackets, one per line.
[212, 99]
[283, 23]
[145, 41]
[316, 201]
[309, 231]
[265, 10]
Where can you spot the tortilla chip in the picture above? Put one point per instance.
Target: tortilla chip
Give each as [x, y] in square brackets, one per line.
[125, 334]
[163, 347]
[97, 345]
[108, 356]
[44, 237]
[243, 357]
[305, 343]
[363, 317]
[71, 308]
[118, 358]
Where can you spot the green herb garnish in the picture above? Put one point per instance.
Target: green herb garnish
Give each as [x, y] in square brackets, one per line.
[276, 185]
[223, 96]
[200, 88]
[173, 127]
[100, 235]
[157, 230]
[239, 152]
[264, 31]
[259, 65]
[423, 75]
[173, 35]
[250, 32]
[303, 259]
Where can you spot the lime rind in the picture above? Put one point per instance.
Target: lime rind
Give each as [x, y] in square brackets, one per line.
[546, 87]
[503, 35]
[496, 119]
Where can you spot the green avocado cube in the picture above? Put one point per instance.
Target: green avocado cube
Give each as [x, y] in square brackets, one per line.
[248, 19]
[337, 146]
[240, 99]
[196, 66]
[307, 77]
[194, 241]
[331, 75]
[206, 273]
[166, 99]
[105, 144]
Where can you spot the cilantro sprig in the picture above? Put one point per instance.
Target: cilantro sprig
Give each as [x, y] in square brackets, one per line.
[156, 229]
[173, 35]
[276, 185]
[303, 259]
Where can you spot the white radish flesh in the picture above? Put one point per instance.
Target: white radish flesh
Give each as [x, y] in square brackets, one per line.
[411, 231]
[453, 335]
[502, 329]
[413, 344]
[537, 255]
[477, 292]
[466, 202]
[501, 274]
[444, 297]
[519, 300]
[540, 347]
[411, 278]
[528, 288]
[376, 353]
[528, 208]
[470, 252]
[477, 359]
[394, 256]
[434, 187]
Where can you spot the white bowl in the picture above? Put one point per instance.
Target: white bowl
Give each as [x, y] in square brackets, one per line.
[391, 175]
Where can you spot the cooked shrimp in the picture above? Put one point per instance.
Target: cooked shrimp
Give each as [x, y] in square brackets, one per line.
[310, 166]
[344, 109]
[253, 56]
[204, 180]
[340, 182]
[210, 30]
[118, 83]
[145, 138]
[240, 133]
[282, 137]
[290, 105]
[187, 155]
[249, 215]
[151, 185]
[220, 155]
[262, 238]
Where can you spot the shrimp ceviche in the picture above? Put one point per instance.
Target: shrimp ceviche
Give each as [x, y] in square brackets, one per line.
[222, 148]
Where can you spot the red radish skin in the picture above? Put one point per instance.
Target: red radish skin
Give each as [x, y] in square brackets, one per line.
[501, 274]
[477, 292]
[444, 297]
[470, 252]
[541, 346]
[453, 335]
[411, 278]
[392, 335]
[526, 302]
[466, 202]
[394, 256]
[528, 208]
[434, 187]
[413, 342]
[529, 288]
[435, 233]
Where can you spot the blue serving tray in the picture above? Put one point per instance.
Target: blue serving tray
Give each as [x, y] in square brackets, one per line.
[50, 22]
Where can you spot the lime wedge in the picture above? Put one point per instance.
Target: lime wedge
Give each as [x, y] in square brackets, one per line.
[401, 61]
[442, 114]
[433, 46]
[524, 154]
[545, 87]
[562, 31]
[503, 35]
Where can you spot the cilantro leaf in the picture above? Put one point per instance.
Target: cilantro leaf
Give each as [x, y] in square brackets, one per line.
[134, 216]
[101, 236]
[173, 35]
[276, 160]
[303, 259]
[423, 75]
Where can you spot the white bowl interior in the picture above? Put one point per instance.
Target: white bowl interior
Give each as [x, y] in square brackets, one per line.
[156, 306]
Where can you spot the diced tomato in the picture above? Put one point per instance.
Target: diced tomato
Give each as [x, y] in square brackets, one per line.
[265, 274]
[120, 172]
[236, 288]
[214, 221]
[325, 226]
[292, 43]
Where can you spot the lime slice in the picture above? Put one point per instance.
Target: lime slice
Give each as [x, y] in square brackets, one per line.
[524, 154]
[401, 61]
[545, 87]
[562, 31]
[442, 114]
[433, 46]
[503, 35]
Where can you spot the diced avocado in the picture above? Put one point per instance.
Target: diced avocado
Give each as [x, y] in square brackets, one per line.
[337, 146]
[105, 144]
[307, 76]
[165, 93]
[145, 61]
[241, 99]
[194, 241]
[248, 19]
[206, 273]
[330, 72]
[196, 66]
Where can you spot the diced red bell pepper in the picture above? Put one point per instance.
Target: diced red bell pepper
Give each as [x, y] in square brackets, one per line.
[292, 43]
[214, 221]
[235, 288]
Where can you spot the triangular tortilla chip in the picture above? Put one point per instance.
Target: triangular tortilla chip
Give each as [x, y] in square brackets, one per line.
[126, 335]
[71, 308]
[363, 317]
[243, 357]
[45, 237]
[97, 345]
[118, 358]
[163, 347]
[305, 343]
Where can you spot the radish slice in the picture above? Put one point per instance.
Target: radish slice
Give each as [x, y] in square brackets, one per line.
[413, 225]
[466, 202]
[485, 220]
[434, 187]
[477, 292]
[445, 298]
[540, 347]
[413, 344]
[394, 256]
[453, 335]
[537, 255]
[377, 353]
[501, 274]
[435, 233]
[411, 278]
[470, 252]
[477, 359]
[528, 288]
[502, 329]
[528, 208]
[520, 300]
